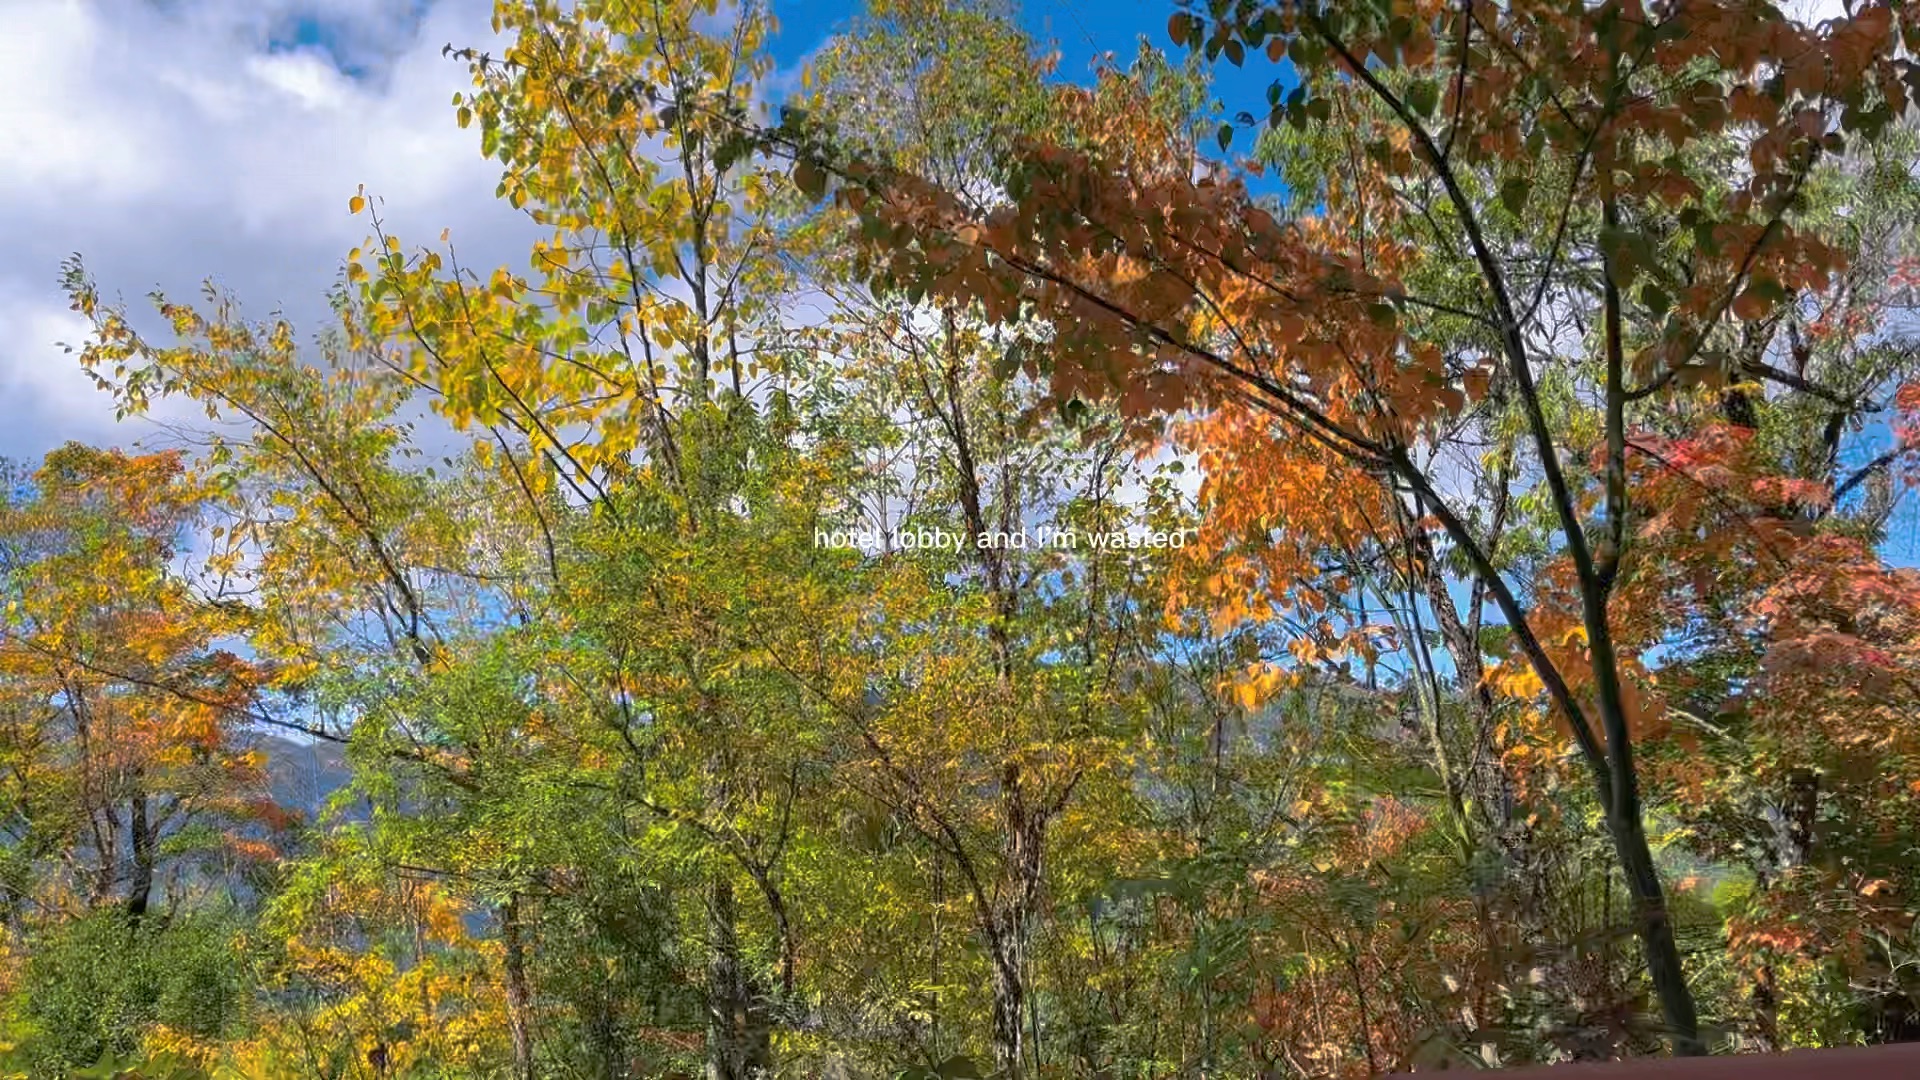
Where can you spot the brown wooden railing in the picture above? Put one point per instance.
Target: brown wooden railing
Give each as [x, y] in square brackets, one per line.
[1898, 1062]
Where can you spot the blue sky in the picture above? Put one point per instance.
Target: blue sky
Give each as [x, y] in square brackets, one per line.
[1080, 28]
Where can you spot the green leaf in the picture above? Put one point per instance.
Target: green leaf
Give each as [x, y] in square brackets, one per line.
[1423, 97]
[1514, 192]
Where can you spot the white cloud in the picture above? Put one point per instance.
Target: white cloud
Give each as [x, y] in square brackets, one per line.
[305, 77]
[172, 140]
[48, 376]
[57, 144]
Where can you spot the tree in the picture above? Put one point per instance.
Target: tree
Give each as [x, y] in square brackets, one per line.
[1172, 292]
[129, 779]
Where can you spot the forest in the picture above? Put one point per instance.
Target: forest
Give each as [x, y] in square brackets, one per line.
[1470, 620]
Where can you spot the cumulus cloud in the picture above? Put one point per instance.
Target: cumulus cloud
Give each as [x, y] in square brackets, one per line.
[169, 141]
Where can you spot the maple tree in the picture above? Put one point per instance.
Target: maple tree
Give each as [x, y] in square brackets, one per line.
[1173, 292]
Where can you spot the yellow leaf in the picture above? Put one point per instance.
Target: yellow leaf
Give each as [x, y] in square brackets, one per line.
[1247, 695]
[356, 204]
[1520, 684]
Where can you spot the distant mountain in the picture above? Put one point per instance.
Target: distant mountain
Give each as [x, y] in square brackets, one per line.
[301, 775]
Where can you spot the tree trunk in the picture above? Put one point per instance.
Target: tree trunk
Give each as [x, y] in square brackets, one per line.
[519, 991]
[1766, 1012]
[1008, 925]
[140, 828]
[739, 1032]
[1655, 927]
[1009, 1003]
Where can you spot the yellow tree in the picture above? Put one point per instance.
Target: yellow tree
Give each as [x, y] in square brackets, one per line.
[621, 372]
[353, 577]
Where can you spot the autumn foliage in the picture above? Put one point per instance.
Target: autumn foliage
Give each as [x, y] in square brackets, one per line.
[1536, 679]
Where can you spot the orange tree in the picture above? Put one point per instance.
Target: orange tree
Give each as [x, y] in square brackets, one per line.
[131, 789]
[131, 742]
[1349, 345]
